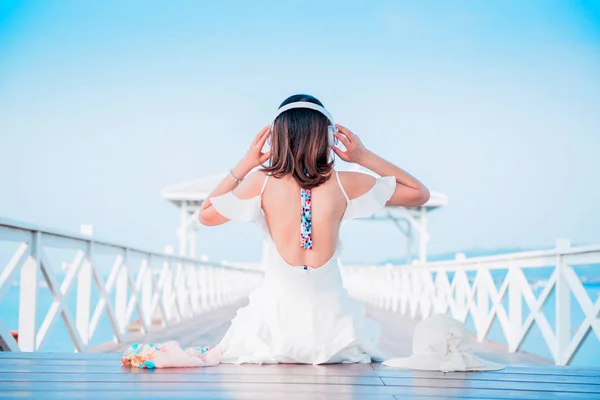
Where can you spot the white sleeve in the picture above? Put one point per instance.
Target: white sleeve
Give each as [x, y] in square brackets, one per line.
[372, 201]
[236, 209]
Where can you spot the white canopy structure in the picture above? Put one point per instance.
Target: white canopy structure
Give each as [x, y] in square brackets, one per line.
[188, 196]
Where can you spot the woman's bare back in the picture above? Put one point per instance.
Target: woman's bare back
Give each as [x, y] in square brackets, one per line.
[281, 202]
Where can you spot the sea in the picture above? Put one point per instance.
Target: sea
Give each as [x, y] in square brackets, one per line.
[58, 339]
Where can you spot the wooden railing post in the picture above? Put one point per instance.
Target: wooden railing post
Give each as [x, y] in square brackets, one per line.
[121, 294]
[210, 288]
[28, 295]
[483, 305]
[423, 235]
[146, 292]
[84, 293]
[563, 307]
[515, 309]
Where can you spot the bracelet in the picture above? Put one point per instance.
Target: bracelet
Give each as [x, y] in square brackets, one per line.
[238, 181]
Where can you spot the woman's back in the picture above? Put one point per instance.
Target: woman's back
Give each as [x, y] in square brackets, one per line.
[293, 216]
[282, 204]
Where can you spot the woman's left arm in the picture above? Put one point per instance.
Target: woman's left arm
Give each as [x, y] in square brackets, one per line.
[254, 157]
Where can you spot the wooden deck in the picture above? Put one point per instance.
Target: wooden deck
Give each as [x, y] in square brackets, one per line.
[100, 376]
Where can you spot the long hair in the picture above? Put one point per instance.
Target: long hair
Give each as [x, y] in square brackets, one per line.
[299, 144]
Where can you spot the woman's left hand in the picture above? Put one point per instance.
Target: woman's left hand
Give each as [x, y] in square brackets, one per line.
[255, 156]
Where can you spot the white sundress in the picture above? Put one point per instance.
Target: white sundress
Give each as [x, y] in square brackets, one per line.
[301, 314]
[298, 314]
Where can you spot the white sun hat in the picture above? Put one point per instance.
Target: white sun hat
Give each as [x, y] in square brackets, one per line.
[441, 343]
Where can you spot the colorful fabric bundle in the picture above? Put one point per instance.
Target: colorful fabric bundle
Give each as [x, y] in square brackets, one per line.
[169, 355]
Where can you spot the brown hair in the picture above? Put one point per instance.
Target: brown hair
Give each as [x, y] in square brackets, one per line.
[299, 144]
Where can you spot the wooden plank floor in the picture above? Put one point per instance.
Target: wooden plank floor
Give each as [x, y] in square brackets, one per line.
[100, 376]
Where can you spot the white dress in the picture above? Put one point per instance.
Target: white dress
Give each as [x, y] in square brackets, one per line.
[301, 315]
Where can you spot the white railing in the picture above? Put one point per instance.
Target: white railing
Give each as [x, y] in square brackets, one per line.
[152, 289]
[467, 287]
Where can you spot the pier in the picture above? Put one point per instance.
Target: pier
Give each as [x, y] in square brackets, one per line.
[154, 297]
[118, 119]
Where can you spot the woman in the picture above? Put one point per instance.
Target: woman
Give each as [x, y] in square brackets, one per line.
[301, 313]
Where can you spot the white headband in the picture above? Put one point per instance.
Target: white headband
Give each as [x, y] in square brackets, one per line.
[305, 104]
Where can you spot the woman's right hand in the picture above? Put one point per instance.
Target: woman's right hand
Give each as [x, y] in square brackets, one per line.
[255, 156]
[355, 149]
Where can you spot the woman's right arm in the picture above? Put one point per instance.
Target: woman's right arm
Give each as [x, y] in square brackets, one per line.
[410, 192]
[254, 157]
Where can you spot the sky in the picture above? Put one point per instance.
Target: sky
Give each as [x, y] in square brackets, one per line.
[495, 103]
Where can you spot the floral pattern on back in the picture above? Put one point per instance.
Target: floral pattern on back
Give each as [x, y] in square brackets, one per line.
[306, 221]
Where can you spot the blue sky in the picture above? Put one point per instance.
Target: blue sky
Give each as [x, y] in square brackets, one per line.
[494, 103]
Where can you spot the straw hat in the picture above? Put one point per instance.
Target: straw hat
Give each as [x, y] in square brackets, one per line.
[441, 343]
